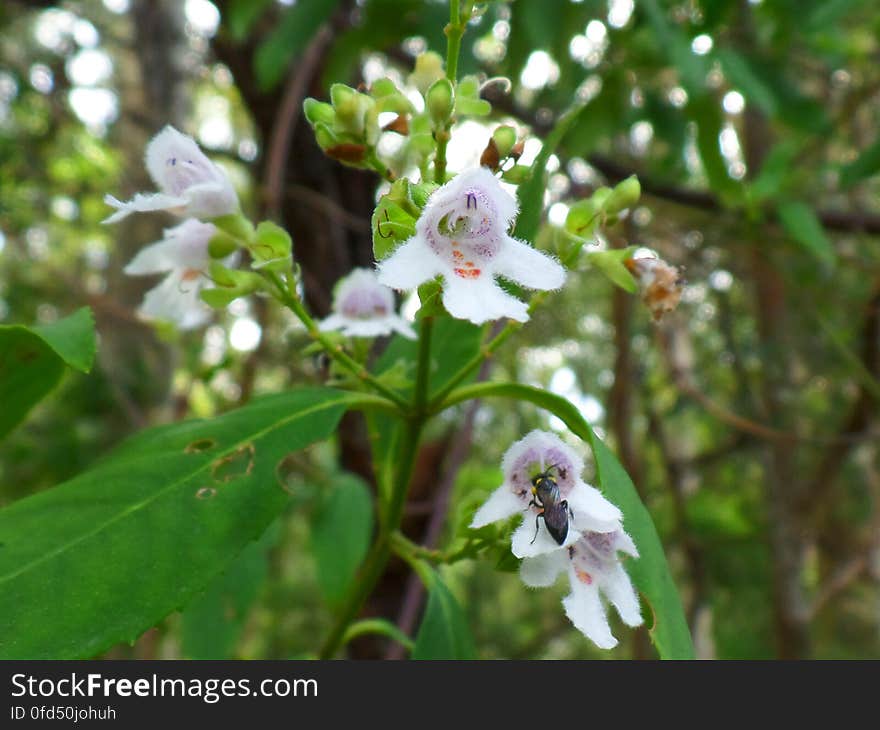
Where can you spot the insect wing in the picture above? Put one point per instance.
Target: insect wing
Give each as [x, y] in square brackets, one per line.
[556, 519]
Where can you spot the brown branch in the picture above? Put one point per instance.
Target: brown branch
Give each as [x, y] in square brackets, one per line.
[286, 120]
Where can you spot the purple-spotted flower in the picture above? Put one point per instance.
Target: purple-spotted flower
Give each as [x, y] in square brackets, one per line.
[544, 452]
[594, 570]
[462, 236]
[362, 307]
[183, 254]
[189, 183]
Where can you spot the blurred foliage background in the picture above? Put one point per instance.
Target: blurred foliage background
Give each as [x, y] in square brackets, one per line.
[747, 419]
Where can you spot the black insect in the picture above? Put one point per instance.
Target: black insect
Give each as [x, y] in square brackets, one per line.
[555, 511]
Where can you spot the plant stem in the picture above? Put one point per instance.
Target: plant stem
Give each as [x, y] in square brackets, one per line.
[454, 31]
[389, 522]
[335, 351]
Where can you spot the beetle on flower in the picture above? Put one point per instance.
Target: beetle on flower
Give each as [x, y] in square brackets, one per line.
[531, 456]
[362, 307]
[462, 236]
[189, 183]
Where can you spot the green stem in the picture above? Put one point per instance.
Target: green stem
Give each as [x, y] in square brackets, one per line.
[389, 522]
[371, 571]
[335, 351]
[454, 32]
[379, 626]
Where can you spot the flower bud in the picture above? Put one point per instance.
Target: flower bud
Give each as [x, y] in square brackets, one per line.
[221, 245]
[318, 111]
[439, 101]
[428, 68]
[505, 139]
[625, 195]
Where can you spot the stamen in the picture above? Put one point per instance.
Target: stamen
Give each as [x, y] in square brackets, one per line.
[471, 196]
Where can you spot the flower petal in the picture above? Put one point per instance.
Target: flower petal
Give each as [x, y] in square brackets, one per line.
[525, 543]
[619, 589]
[176, 300]
[143, 203]
[480, 300]
[585, 610]
[410, 264]
[624, 543]
[332, 322]
[543, 570]
[502, 503]
[212, 199]
[154, 259]
[592, 512]
[525, 265]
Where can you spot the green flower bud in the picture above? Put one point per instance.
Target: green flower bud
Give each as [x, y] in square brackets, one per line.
[428, 68]
[625, 195]
[439, 101]
[235, 225]
[221, 245]
[505, 138]
[318, 111]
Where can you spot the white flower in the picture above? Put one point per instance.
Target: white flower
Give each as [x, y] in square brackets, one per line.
[539, 452]
[593, 569]
[362, 307]
[462, 236]
[183, 253]
[189, 183]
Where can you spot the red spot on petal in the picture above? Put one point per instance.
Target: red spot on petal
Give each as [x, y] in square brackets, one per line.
[583, 576]
[467, 273]
[457, 255]
[191, 274]
[469, 264]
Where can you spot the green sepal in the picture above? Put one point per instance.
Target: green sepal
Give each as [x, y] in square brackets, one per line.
[236, 225]
[394, 219]
[318, 112]
[467, 99]
[230, 284]
[517, 174]
[271, 248]
[222, 245]
[431, 297]
[610, 263]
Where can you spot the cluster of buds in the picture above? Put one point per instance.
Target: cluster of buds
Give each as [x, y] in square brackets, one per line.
[199, 256]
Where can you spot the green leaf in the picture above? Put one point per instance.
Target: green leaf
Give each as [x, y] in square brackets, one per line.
[32, 361]
[143, 532]
[213, 623]
[241, 16]
[801, 223]
[444, 633]
[747, 78]
[296, 28]
[865, 165]
[341, 536]
[531, 192]
[649, 572]
[705, 111]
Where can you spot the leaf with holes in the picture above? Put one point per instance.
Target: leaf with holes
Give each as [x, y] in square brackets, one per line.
[104, 556]
[33, 359]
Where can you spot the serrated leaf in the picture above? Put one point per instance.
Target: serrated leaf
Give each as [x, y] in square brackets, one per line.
[801, 223]
[32, 361]
[443, 633]
[144, 531]
[341, 533]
